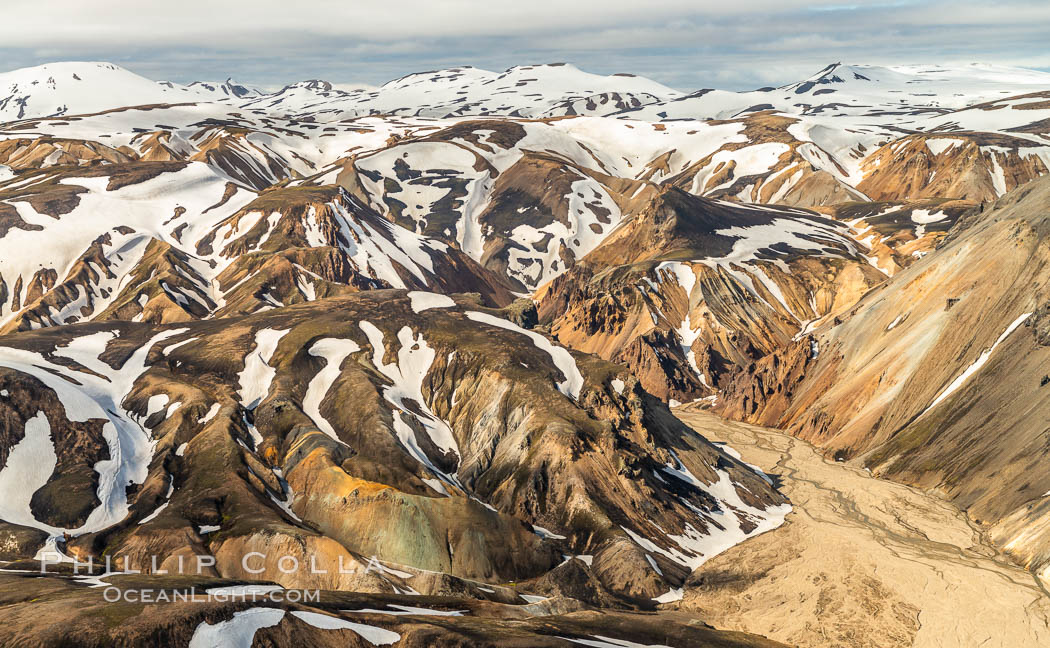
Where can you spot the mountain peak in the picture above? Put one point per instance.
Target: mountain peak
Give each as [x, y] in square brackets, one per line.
[226, 89]
[79, 87]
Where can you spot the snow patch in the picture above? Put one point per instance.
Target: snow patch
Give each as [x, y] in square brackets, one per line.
[258, 374]
[422, 301]
[372, 634]
[334, 351]
[238, 632]
[672, 595]
[30, 464]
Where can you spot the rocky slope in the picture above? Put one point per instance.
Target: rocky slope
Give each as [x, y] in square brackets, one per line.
[410, 427]
[936, 377]
[172, 241]
[898, 233]
[688, 291]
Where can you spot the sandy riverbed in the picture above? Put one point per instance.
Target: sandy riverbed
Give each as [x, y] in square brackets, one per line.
[861, 562]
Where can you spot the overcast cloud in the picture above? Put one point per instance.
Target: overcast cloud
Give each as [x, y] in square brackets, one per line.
[684, 44]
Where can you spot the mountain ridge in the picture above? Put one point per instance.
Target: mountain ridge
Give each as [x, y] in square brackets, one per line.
[568, 80]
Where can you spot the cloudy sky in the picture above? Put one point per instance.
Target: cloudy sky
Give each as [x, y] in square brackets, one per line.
[686, 44]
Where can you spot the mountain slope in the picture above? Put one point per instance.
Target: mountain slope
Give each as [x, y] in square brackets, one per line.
[170, 241]
[405, 426]
[687, 290]
[915, 380]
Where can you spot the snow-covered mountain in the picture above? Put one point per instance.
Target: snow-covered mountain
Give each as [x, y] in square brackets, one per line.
[76, 88]
[910, 87]
[527, 197]
[172, 241]
[522, 91]
[875, 92]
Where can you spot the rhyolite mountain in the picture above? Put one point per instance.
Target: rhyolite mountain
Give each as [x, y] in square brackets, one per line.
[432, 328]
